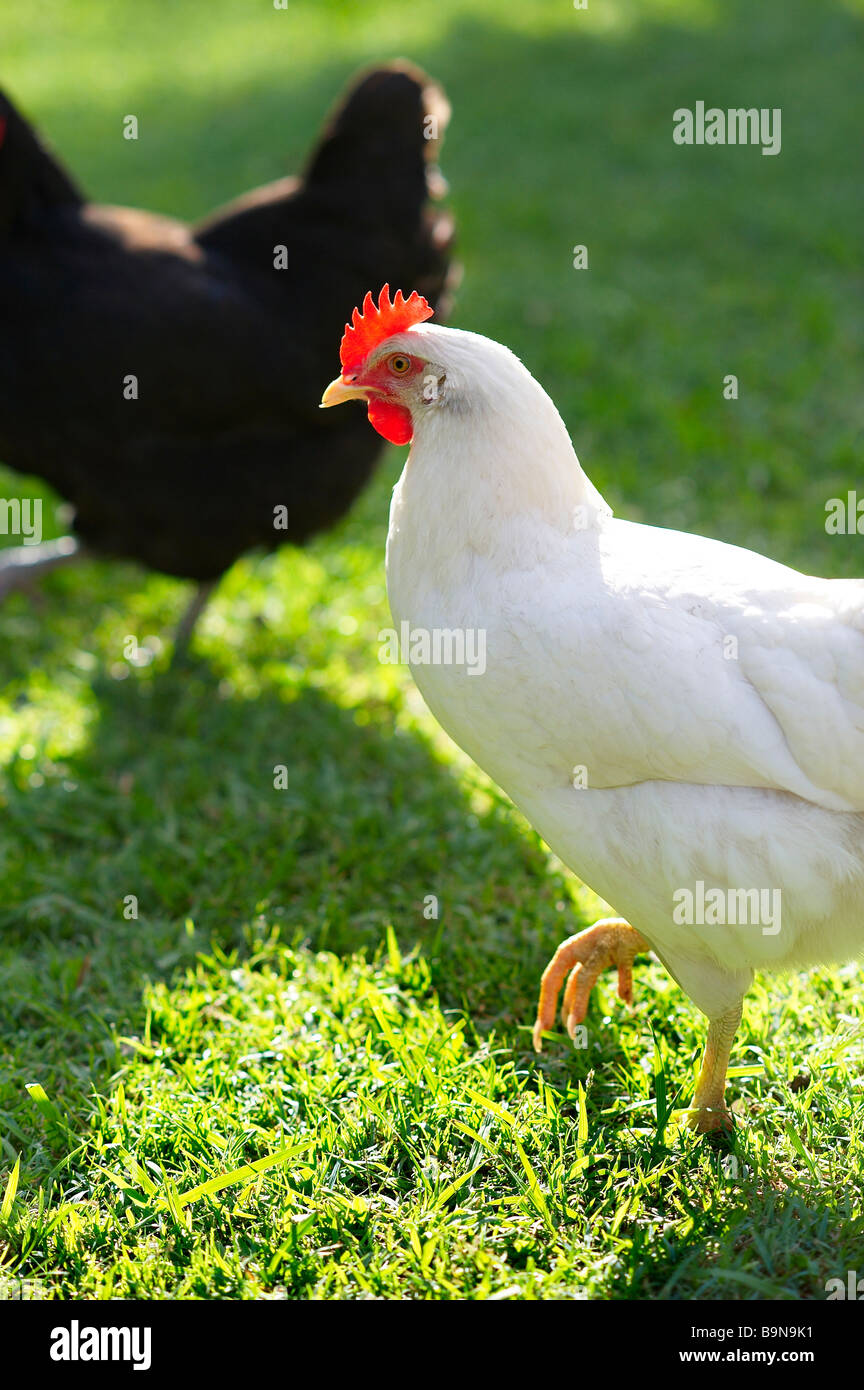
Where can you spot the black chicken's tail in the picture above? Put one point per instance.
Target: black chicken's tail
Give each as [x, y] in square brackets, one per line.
[31, 179]
[366, 199]
[378, 159]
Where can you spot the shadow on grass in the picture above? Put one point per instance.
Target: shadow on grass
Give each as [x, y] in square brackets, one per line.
[173, 803]
[743, 1235]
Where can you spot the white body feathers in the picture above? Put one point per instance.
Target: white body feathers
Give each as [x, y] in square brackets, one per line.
[714, 699]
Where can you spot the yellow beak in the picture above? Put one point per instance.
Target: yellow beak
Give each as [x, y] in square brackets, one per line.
[341, 390]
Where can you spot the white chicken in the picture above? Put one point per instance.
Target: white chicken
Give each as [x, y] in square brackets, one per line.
[710, 701]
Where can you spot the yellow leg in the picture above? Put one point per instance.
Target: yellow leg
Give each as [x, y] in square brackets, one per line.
[610, 942]
[708, 1111]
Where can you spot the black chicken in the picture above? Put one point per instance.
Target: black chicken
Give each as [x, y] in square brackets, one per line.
[165, 379]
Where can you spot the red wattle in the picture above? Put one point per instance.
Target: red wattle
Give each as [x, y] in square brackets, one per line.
[391, 421]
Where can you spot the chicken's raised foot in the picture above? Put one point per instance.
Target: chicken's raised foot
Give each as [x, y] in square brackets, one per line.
[609, 942]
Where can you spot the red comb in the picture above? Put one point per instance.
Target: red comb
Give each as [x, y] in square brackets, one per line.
[379, 321]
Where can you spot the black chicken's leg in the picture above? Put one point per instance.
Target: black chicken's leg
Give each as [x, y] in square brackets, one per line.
[186, 625]
[22, 565]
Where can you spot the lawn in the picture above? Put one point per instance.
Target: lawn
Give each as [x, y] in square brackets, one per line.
[268, 1041]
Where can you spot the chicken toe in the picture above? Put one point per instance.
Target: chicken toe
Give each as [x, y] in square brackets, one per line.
[609, 942]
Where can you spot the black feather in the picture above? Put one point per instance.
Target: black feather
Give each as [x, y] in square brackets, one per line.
[230, 354]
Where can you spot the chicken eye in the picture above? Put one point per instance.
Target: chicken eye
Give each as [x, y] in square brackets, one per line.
[399, 364]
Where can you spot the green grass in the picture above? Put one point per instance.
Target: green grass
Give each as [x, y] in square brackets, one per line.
[281, 999]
